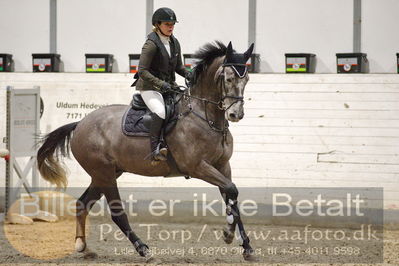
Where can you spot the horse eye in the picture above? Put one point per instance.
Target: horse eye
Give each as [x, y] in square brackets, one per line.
[229, 80]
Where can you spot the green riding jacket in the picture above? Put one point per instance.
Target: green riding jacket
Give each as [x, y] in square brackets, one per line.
[156, 66]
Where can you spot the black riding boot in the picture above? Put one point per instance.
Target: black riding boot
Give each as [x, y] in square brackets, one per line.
[158, 153]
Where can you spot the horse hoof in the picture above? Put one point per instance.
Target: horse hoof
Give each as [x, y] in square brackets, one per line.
[147, 254]
[228, 236]
[143, 250]
[249, 255]
[80, 245]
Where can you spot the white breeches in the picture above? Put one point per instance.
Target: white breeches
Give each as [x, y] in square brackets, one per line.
[154, 102]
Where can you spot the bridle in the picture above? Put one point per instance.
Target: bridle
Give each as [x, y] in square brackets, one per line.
[222, 81]
[219, 104]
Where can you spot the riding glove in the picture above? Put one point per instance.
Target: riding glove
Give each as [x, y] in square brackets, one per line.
[189, 78]
[166, 87]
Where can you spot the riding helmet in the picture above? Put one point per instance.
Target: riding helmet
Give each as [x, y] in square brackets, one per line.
[163, 14]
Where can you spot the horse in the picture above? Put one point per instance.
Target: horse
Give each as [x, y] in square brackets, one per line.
[200, 144]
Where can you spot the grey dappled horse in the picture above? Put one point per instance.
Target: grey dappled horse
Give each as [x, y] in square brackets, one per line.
[200, 144]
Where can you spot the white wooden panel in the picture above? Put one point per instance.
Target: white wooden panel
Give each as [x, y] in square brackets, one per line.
[283, 144]
[311, 95]
[316, 131]
[316, 114]
[309, 148]
[320, 131]
[318, 140]
[304, 86]
[359, 158]
[304, 122]
[258, 159]
[271, 163]
[349, 80]
[300, 182]
[324, 105]
[354, 177]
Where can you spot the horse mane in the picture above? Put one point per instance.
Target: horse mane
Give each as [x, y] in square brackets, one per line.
[205, 57]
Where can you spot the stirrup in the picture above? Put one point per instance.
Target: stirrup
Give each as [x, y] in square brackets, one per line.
[164, 152]
[159, 154]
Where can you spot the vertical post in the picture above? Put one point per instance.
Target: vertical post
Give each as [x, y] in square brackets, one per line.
[149, 12]
[252, 22]
[53, 26]
[357, 26]
[8, 146]
[35, 175]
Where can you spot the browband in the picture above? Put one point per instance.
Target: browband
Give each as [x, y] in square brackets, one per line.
[240, 69]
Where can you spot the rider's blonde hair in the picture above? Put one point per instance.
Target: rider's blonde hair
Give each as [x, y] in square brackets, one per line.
[156, 27]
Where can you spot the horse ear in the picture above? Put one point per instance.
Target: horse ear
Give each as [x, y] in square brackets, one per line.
[248, 53]
[229, 49]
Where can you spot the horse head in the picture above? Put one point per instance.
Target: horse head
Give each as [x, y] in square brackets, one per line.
[233, 77]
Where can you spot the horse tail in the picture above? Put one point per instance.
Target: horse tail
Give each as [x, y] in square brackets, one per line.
[55, 145]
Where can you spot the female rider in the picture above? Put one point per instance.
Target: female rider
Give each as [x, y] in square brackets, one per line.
[159, 60]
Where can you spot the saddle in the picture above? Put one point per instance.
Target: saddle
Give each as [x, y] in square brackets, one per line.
[136, 120]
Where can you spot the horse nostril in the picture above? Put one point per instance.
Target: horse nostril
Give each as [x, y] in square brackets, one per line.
[233, 116]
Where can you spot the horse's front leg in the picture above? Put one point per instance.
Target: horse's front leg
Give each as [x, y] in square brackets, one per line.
[229, 230]
[229, 192]
[230, 195]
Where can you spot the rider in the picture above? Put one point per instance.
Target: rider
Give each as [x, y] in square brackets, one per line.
[159, 60]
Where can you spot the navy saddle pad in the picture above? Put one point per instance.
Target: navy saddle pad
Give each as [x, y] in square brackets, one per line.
[137, 118]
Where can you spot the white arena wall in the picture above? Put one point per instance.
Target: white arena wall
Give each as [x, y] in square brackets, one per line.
[298, 130]
[24, 29]
[118, 27]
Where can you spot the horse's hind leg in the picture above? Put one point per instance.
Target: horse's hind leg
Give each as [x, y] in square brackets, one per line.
[83, 206]
[120, 219]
